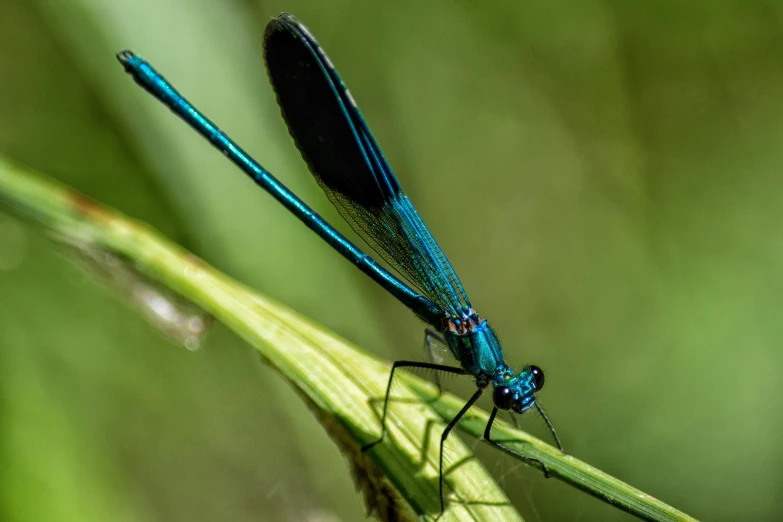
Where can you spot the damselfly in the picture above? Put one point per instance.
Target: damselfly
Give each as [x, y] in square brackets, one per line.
[345, 159]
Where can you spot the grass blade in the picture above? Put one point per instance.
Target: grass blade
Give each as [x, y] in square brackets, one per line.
[343, 385]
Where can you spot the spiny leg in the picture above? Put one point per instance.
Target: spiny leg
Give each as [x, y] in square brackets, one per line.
[409, 364]
[550, 426]
[431, 336]
[446, 432]
[506, 448]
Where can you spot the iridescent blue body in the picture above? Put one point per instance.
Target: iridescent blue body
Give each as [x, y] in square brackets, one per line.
[478, 350]
[345, 159]
[474, 344]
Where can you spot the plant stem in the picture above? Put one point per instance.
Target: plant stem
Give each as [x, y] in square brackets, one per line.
[343, 385]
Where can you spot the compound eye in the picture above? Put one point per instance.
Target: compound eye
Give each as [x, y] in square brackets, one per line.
[538, 377]
[503, 397]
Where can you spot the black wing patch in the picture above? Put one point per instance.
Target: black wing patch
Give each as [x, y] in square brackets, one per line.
[342, 154]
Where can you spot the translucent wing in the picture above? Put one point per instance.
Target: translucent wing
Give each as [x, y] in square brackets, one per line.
[342, 154]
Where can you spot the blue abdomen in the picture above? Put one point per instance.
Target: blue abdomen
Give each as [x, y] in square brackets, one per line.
[478, 351]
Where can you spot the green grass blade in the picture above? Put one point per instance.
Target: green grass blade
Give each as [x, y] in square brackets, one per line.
[336, 379]
[342, 384]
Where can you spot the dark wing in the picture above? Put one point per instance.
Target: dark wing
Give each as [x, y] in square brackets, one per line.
[342, 154]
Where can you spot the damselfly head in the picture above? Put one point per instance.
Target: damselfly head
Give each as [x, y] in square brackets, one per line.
[516, 392]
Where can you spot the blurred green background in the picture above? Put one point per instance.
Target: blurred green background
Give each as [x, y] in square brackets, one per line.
[604, 176]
